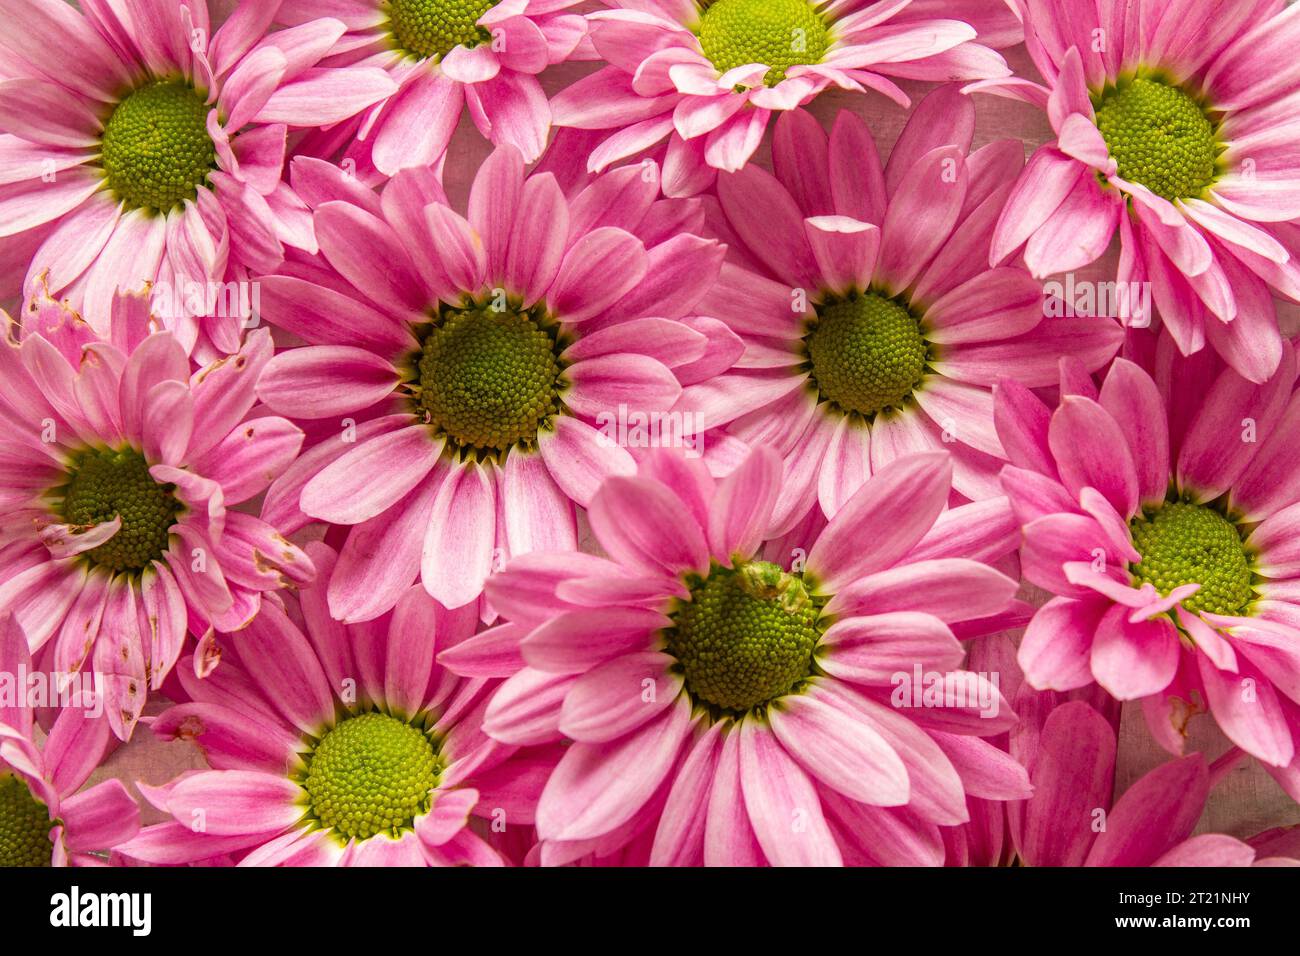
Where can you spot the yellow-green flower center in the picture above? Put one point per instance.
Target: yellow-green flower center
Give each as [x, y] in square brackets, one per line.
[1183, 543]
[433, 28]
[1159, 136]
[24, 825]
[106, 483]
[745, 635]
[776, 33]
[156, 151]
[371, 774]
[866, 353]
[488, 379]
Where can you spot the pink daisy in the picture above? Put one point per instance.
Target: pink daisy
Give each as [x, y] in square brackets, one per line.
[1174, 123]
[339, 746]
[707, 77]
[117, 469]
[443, 55]
[459, 367]
[733, 704]
[150, 148]
[1073, 819]
[872, 326]
[1163, 512]
[44, 821]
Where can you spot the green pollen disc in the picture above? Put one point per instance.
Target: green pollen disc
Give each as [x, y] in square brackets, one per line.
[1184, 543]
[156, 149]
[371, 774]
[745, 636]
[777, 33]
[867, 353]
[488, 379]
[105, 484]
[1159, 137]
[433, 28]
[24, 825]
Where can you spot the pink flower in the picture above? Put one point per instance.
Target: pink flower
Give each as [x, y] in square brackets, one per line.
[732, 704]
[149, 149]
[444, 55]
[709, 79]
[1073, 819]
[339, 746]
[872, 326]
[47, 821]
[118, 467]
[459, 368]
[1162, 513]
[1173, 124]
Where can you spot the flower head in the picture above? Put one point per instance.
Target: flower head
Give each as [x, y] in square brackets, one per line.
[46, 819]
[119, 467]
[1161, 512]
[1074, 818]
[151, 150]
[872, 326]
[335, 745]
[459, 367]
[1171, 126]
[716, 688]
[445, 57]
[708, 77]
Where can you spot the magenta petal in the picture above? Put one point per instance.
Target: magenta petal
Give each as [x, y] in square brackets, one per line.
[598, 787]
[1072, 776]
[1134, 660]
[844, 754]
[679, 838]
[1153, 815]
[619, 696]
[235, 802]
[777, 794]
[901, 501]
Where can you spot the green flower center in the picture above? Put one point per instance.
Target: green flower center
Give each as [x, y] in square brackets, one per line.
[866, 352]
[370, 774]
[156, 149]
[777, 33]
[745, 636]
[105, 484]
[24, 825]
[1184, 543]
[1159, 137]
[433, 28]
[488, 379]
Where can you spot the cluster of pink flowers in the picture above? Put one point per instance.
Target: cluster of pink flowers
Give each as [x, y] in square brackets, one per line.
[697, 487]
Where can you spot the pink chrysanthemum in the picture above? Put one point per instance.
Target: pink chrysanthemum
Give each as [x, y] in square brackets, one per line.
[1073, 818]
[1174, 124]
[1162, 512]
[708, 79]
[443, 55]
[1068, 744]
[873, 327]
[730, 704]
[459, 367]
[150, 149]
[118, 467]
[46, 821]
[343, 746]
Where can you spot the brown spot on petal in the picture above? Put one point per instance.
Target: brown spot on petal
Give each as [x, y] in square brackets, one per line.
[189, 728]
